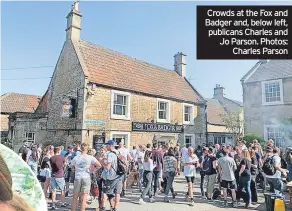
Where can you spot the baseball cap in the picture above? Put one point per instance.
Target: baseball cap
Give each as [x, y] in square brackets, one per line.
[70, 147]
[110, 142]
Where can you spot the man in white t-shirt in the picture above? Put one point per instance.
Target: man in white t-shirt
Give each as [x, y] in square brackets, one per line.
[83, 165]
[190, 162]
[184, 152]
[126, 154]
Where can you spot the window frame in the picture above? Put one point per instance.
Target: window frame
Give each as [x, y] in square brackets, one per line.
[127, 142]
[264, 102]
[30, 140]
[191, 122]
[127, 116]
[266, 137]
[220, 136]
[193, 143]
[167, 120]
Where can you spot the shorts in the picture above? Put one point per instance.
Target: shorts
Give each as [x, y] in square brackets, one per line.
[228, 184]
[190, 179]
[57, 183]
[114, 186]
[82, 185]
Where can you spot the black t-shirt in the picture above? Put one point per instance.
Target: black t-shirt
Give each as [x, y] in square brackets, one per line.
[253, 170]
[212, 171]
[246, 171]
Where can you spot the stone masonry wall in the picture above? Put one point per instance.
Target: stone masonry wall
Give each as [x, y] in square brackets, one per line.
[143, 109]
[68, 82]
[257, 115]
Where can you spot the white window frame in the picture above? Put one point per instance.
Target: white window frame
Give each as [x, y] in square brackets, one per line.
[266, 132]
[128, 110]
[191, 122]
[264, 94]
[167, 120]
[193, 141]
[30, 140]
[220, 136]
[128, 142]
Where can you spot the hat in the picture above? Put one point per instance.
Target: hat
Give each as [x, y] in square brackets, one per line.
[5, 181]
[110, 142]
[70, 147]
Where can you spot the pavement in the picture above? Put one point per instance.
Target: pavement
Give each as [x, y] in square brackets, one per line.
[129, 203]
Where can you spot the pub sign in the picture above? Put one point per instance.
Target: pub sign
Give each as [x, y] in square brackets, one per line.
[156, 127]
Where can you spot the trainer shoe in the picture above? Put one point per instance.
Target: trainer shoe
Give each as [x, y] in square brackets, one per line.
[192, 204]
[141, 201]
[151, 200]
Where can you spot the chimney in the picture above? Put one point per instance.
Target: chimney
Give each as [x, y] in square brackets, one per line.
[180, 64]
[218, 92]
[73, 23]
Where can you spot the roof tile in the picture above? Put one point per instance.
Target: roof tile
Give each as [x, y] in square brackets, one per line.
[114, 69]
[14, 102]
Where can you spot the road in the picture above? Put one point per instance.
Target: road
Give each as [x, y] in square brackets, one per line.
[129, 203]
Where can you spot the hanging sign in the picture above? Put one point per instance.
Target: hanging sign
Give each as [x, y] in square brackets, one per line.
[66, 108]
[98, 141]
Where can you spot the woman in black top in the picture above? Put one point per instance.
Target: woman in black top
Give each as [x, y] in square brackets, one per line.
[245, 176]
[254, 172]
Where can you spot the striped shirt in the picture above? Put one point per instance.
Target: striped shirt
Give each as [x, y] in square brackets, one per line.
[169, 163]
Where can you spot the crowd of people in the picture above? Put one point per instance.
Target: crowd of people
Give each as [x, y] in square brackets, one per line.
[235, 170]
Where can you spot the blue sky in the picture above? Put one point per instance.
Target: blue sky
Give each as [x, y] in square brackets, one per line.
[33, 34]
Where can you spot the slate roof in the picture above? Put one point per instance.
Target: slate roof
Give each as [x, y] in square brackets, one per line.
[214, 110]
[14, 102]
[271, 70]
[112, 69]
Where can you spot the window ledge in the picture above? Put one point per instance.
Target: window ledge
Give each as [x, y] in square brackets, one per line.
[273, 103]
[163, 121]
[120, 117]
[188, 123]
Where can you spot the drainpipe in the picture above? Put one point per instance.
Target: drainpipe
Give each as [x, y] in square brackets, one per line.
[207, 141]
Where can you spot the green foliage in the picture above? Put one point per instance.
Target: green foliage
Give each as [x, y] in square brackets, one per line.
[234, 123]
[250, 137]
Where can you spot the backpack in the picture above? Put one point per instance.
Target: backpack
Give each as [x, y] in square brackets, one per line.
[121, 165]
[269, 167]
[207, 165]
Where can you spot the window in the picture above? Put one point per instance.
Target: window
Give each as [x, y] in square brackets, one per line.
[275, 133]
[120, 105]
[188, 117]
[163, 111]
[189, 140]
[30, 137]
[272, 92]
[119, 136]
[219, 140]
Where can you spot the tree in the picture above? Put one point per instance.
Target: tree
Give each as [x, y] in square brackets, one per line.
[250, 137]
[234, 123]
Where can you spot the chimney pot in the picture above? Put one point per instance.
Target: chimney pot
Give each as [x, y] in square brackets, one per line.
[218, 91]
[180, 64]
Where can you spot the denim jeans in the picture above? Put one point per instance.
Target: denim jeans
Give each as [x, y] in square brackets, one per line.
[169, 181]
[244, 182]
[34, 168]
[148, 188]
[202, 181]
[253, 188]
[290, 172]
[276, 185]
[156, 180]
[140, 178]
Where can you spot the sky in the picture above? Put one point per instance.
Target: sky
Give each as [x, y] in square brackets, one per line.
[33, 33]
